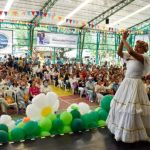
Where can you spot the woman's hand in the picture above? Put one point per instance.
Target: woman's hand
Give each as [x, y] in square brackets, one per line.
[125, 35]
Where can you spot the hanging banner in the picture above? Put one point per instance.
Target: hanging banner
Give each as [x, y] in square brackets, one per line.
[6, 43]
[56, 40]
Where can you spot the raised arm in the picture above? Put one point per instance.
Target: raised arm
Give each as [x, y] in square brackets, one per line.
[120, 53]
[130, 50]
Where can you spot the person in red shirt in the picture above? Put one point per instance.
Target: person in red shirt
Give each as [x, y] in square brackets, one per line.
[34, 90]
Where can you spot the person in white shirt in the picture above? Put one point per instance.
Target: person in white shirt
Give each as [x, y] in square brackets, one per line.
[45, 87]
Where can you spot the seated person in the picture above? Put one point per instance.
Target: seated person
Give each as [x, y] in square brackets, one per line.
[98, 89]
[45, 88]
[33, 90]
[81, 85]
[90, 86]
[23, 95]
[115, 86]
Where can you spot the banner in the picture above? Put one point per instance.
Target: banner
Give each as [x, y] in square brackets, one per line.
[6, 41]
[56, 40]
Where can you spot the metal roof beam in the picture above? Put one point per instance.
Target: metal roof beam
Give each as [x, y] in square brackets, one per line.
[140, 24]
[109, 12]
[47, 6]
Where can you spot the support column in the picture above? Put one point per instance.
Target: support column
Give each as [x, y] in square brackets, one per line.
[54, 56]
[97, 48]
[31, 38]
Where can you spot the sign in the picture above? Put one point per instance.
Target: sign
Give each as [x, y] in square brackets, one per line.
[56, 40]
[6, 42]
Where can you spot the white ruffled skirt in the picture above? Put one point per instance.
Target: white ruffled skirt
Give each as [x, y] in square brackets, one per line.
[129, 116]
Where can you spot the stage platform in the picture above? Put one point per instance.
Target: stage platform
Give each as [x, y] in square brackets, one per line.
[96, 139]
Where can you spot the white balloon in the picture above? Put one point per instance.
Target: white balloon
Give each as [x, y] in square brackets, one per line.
[52, 95]
[33, 112]
[84, 108]
[5, 119]
[39, 100]
[56, 105]
[11, 125]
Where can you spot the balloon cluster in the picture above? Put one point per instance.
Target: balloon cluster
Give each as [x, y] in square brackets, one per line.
[78, 117]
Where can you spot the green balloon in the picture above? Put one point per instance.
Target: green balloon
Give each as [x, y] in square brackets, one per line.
[17, 134]
[102, 114]
[52, 117]
[66, 117]
[101, 123]
[9, 136]
[3, 136]
[45, 124]
[105, 102]
[20, 125]
[77, 125]
[57, 126]
[67, 129]
[97, 109]
[3, 127]
[31, 129]
[44, 134]
[75, 114]
[93, 116]
[85, 120]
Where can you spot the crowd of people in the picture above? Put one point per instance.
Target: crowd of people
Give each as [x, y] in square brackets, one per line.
[27, 79]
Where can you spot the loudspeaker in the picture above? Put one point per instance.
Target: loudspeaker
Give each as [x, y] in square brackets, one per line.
[107, 20]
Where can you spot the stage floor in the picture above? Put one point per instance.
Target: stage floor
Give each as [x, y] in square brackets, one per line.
[98, 139]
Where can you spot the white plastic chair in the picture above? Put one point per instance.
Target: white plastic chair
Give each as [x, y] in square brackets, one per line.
[12, 94]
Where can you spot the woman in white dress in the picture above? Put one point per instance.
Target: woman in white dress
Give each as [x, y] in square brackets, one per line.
[129, 116]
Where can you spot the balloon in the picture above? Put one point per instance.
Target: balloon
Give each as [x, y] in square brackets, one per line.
[17, 134]
[90, 120]
[5, 119]
[72, 107]
[105, 102]
[52, 95]
[44, 134]
[20, 125]
[31, 129]
[33, 112]
[57, 126]
[26, 119]
[67, 129]
[45, 124]
[52, 117]
[77, 125]
[97, 109]
[101, 123]
[18, 121]
[85, 120]
[3, 136]
[102, 114]
[3, 127]
[75, 114]
[66, 117]
[84, 108]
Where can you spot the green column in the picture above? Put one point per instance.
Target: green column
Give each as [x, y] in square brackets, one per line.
[54, 56]
[97, 48]
[78, 46]
[82, 44]
[31, 38]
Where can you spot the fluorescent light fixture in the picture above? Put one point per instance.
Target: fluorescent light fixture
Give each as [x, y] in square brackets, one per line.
[128, 16]
[74, 11]
[7, 7]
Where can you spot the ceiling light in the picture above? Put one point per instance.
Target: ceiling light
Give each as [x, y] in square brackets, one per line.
[128, 16]
[7, 8]
[74, 11]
